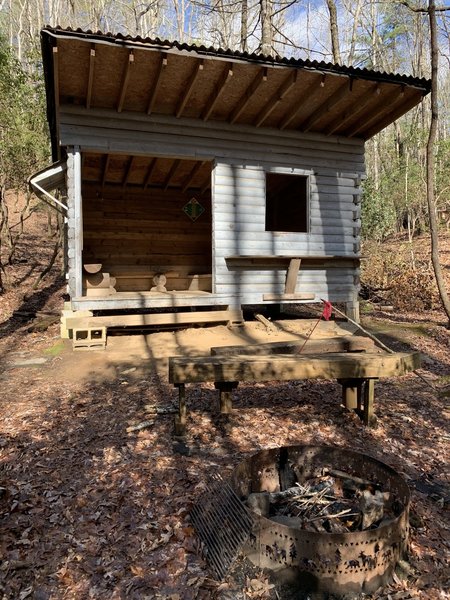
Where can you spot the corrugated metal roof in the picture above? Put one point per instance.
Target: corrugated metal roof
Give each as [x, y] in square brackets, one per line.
[201, 49]
[96, 71]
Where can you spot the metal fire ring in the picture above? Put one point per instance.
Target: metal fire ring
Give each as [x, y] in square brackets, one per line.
[339, 563]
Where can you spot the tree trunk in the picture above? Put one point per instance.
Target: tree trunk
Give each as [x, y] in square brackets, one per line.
[334, 31]
[266, 27]
[244, 25]
[430, 162]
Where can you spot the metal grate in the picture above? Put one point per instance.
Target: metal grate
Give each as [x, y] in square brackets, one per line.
[223, 524]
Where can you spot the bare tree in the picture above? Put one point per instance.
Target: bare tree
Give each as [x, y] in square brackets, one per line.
[334, 31]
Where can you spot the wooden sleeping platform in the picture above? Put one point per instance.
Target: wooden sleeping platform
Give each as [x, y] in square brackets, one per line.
[354, 361]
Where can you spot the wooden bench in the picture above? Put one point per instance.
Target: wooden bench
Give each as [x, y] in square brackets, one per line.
[356, 371]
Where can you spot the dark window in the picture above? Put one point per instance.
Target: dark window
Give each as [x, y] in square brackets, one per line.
[286, 202]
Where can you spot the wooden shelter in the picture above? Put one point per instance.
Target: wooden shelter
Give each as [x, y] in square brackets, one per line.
[200, 177]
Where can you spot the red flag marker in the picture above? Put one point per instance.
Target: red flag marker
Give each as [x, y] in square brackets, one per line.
[327, 310]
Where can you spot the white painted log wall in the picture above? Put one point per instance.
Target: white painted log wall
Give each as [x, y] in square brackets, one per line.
[242, 155]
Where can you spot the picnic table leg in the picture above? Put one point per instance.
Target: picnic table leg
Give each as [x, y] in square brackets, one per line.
[180, 418]
[351, 393]
[225, 395]
[369, 397]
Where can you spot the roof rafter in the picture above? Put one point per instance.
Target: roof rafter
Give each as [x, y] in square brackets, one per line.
[260, 78]
[190, 178]
[125, 79]
[105, 169]
[157, 82]
[277, 97]
[218, 89]
[342, 91]
[363, 123]
[198, 67]
[355, 109]
[171, 173]
[392, 116]
[307, 92]
[150, 171]
[90, 76]
[128, 171]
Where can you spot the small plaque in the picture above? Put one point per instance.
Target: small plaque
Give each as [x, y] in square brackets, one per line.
[193, 209]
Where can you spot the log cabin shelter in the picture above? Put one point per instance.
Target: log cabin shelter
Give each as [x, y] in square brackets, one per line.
[198, 178]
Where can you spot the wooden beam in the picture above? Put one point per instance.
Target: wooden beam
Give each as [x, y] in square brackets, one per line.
[150, 170]
[189, 87]
[292, 275]
[393, 116]
[365, 122]
[288, 297]
[125, 79]
[225, 77]
[127, 171]
[90, 76]
[206, 185]
[261, 77]
[173, 168]
[307, 93]
[157, 82]
[190, 178]
[182, 318]
[351, 343]
[56, 76]
[339, 94]
[355, 109]
[105, 169]
[78, 218]
[288, 367]
[277, 97]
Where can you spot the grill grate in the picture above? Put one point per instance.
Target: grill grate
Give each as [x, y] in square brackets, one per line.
[223, 525]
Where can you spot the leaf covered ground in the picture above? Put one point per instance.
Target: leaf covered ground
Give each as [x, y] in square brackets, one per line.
[90, 508]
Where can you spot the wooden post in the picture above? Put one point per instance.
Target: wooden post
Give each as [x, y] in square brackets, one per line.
[351, 393]
[78, 217]
[180, 418]
[226, 395]
[352, 311]
[369, 397]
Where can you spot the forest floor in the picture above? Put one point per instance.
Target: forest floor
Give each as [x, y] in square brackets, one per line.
[90, 508]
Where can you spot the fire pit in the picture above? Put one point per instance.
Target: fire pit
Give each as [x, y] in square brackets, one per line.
[343, 521]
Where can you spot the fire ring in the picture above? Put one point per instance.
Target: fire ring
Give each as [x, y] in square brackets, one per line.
[340, 563]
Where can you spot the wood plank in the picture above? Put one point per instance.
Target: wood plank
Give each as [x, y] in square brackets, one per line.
[181, 318]
[157, 82]
[308, 91]
[355, 109]
[125, 80]
[188, 88]
[285, 367]
[292, 275]
[367, 119]
[90, 76]
[287, 297]
[352, 343]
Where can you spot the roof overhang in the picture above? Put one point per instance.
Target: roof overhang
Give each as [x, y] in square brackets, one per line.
[48, 180]
[122, 73]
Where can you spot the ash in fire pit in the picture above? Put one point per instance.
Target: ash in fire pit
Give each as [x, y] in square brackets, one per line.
[328, 519]
[332, 502]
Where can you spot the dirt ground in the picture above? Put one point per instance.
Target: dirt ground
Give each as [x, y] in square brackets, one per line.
[92, 508]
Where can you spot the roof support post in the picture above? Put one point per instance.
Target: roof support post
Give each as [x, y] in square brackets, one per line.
[75, 222]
